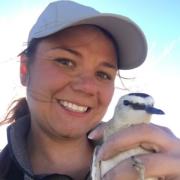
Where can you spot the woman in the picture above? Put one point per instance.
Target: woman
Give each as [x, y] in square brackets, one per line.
[69, 68]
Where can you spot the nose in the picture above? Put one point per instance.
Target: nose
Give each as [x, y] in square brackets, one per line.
[85, 83]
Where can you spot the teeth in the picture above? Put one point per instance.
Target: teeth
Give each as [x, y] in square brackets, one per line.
[73, 107]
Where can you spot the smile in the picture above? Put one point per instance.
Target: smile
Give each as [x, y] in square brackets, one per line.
[73, 107]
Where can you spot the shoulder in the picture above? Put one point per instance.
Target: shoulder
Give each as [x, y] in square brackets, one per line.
[5, 161]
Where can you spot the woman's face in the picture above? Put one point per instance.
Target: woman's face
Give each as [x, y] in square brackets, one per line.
[71, 81]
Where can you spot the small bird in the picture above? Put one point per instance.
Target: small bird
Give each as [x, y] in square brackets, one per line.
[131, 109]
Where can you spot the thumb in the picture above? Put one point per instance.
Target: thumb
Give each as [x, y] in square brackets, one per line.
[97, 133]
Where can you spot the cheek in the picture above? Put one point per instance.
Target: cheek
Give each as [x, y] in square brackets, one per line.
[109, 93]
[106, 97]
[104, 101]
[46, 80]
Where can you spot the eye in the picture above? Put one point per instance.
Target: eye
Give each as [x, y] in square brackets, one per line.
[139, 106]
[103, 75]
[65, 62]
[126, 102]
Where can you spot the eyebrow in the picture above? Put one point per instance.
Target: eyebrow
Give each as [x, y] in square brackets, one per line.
[109, 65]
[68, 49]
[106, 64]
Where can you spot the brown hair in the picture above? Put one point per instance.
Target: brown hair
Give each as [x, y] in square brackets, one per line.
[19, 107]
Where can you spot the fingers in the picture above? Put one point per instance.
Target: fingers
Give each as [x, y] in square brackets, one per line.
[155, 165]
[123, 170]
[160, 164]
[157, 138]
[97, 133]
[164, 163]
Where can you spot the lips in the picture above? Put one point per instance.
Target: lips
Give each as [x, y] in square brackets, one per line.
[73, 107]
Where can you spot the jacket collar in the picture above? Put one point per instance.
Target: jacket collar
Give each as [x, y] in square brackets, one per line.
[17, 140]
[17, 135]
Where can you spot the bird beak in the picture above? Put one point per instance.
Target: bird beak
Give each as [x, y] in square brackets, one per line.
[153, 110]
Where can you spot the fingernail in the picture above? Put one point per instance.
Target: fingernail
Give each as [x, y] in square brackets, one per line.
[92, 135]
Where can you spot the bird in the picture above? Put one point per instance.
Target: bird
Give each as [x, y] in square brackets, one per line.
[132, 108]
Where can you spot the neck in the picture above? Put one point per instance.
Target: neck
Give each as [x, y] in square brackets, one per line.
[70, 156]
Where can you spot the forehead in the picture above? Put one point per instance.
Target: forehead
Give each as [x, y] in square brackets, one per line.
[85, 40]
[79, 35]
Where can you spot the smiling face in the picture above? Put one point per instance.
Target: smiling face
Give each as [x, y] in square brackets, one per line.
[71, 81]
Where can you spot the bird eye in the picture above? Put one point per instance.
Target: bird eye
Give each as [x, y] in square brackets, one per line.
[139, 106]
[126, 102]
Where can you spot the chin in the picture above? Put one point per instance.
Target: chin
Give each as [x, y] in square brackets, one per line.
[68, 134]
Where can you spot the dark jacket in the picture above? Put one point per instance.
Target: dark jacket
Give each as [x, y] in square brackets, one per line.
[14, 162]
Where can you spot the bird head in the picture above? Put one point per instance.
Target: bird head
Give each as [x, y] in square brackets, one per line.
[137, 102]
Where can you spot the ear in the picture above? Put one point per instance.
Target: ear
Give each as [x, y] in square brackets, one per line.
[23, 69]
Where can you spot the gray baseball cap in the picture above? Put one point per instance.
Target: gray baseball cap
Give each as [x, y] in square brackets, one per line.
[131, 42]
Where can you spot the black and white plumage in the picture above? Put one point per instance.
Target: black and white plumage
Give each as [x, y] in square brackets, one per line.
[133, 108]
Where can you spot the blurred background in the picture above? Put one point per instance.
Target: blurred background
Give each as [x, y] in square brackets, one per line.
[159, 75]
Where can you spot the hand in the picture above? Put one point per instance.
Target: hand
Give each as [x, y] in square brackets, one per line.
[164, 163]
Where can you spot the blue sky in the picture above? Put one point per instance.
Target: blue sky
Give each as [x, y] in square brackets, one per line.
[159, 75]
[158, 19]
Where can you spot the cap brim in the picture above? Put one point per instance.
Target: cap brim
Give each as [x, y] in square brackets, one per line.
[130, 39]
